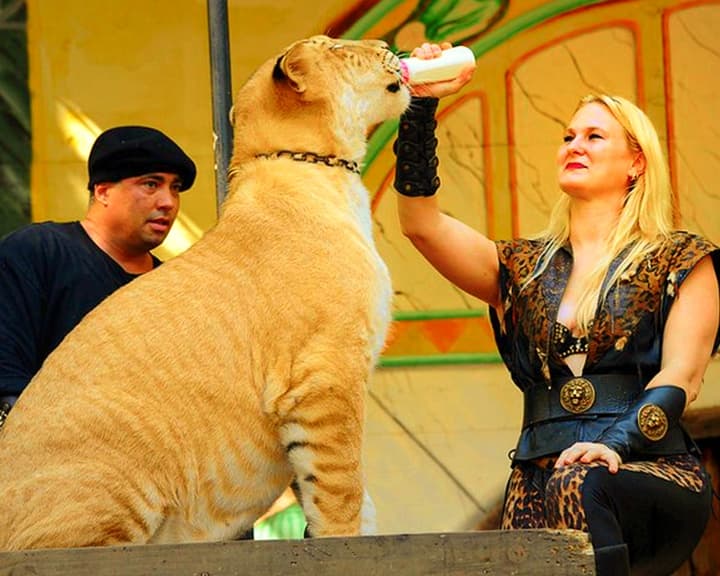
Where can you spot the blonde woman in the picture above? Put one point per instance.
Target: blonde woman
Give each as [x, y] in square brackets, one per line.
[606, 322]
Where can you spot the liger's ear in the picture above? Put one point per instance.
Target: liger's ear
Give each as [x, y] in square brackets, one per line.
[293, 67]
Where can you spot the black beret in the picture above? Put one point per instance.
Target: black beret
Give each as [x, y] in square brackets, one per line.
[127, 151]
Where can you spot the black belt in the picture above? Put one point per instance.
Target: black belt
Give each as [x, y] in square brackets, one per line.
[593, 395]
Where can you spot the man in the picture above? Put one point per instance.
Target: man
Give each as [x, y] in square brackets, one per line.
[52, 274]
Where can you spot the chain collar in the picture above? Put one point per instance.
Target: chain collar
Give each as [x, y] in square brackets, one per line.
[313, 158]
[4, 411]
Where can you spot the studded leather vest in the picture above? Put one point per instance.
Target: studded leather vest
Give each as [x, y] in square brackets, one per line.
[623, 347]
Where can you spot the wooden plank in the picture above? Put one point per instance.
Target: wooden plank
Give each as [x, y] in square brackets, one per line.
[492, 552]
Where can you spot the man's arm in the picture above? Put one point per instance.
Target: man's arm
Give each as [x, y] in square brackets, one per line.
[21, 304]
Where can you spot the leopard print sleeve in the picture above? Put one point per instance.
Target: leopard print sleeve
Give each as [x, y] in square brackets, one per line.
[517, 260]
[505, 251]
[684, 251]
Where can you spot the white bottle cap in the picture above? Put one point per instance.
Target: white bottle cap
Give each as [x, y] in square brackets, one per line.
[445, 67]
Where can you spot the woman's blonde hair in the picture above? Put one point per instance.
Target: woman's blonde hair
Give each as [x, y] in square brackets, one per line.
[645, 222]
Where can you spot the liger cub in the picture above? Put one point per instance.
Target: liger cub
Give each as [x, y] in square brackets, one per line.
[183, 405]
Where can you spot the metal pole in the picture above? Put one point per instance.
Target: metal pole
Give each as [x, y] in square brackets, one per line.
[221, 93]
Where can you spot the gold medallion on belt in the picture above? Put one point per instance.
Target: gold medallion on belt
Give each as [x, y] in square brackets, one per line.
[577, 395]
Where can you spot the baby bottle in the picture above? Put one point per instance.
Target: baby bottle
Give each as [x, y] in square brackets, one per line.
[445, 67]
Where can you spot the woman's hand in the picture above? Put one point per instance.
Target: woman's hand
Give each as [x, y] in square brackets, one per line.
[427, 51]
[587, 452]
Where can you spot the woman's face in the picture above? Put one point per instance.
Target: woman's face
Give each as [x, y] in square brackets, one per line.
[594, 159]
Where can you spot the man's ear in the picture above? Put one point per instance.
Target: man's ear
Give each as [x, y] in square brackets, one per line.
[100, 192]
[293, 66]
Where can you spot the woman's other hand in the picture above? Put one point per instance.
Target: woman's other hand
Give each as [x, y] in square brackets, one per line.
[588, 452]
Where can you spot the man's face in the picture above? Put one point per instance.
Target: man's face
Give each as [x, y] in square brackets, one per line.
[143, 209]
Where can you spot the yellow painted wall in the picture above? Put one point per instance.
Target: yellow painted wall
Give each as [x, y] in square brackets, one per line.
[438, 435]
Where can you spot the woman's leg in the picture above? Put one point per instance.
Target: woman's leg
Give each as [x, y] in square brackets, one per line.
[524, 504]
[525, 507]
[657, 509]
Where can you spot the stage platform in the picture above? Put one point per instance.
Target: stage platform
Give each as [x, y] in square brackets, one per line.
[482, 553]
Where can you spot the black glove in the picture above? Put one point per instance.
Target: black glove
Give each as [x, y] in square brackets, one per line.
[415, 147]
[647, 421]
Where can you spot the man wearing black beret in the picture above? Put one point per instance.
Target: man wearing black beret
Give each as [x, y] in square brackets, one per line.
[52, 274]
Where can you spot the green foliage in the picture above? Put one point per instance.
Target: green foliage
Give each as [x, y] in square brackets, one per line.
[15, 129]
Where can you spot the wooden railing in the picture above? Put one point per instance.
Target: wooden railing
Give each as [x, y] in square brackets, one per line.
[500, 553]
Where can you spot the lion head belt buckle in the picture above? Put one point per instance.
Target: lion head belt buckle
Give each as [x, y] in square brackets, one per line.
[577, 395]
[652, 421]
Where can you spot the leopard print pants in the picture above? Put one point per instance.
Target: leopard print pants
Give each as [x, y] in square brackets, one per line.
[658, 508]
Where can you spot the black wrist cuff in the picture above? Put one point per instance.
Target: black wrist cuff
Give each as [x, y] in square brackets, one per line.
[646, 422]
[415, 148]
[421, 109]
